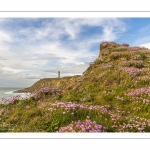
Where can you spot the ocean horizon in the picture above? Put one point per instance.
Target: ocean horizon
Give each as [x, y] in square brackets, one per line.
[7, 92]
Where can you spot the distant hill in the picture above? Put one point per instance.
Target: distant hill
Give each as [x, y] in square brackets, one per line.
[59, 83]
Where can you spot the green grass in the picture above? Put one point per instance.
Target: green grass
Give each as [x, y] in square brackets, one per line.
[102, 84]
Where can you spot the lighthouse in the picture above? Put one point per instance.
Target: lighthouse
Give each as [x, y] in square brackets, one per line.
[58, 74]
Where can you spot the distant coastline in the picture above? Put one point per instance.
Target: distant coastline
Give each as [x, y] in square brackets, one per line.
[7, 92]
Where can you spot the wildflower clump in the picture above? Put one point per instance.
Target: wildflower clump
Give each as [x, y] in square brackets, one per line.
[131, 70]
[14, 98]
[86, 126]
[73, 106]
[135, 124]
[37, 94]
[141, 92]
[46, 91]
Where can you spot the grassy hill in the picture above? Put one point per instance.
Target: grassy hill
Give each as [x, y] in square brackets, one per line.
[112, 95]
[59, 83]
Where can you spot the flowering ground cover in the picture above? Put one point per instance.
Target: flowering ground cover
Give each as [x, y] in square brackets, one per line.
[112, 95]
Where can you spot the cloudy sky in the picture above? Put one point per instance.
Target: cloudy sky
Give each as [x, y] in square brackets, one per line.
[35, 48]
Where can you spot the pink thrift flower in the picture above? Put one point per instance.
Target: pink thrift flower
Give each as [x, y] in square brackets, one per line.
[27, 107]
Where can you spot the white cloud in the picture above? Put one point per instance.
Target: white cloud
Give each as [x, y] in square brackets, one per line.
[4, 37]
[9, 70]
[142, 40]
[25, 52]
[147, 45]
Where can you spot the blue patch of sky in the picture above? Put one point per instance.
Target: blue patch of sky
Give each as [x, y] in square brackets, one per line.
[89, 31]
[64, 38]
[95, 48]
[27, 22]
[136, 28]
[138, 23]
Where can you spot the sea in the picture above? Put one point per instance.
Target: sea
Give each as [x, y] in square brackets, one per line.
[7, 92]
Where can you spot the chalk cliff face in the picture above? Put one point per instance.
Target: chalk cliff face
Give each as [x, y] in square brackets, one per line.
[118, 69]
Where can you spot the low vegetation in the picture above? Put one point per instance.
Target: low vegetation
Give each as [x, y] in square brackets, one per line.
[112, 95]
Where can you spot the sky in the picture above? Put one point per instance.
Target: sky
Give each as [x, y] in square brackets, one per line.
[36, 48]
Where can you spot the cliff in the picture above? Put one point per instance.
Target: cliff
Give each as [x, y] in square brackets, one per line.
[112, 95]
[118, 68]
[59, 83]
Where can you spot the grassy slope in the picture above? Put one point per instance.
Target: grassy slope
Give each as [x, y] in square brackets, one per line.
[59, 83]
[107, 82]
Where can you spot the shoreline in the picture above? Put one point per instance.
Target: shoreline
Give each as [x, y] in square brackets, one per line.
[8, 93]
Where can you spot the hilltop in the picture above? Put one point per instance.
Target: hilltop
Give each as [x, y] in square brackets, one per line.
[59, 83]
[112, 95]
